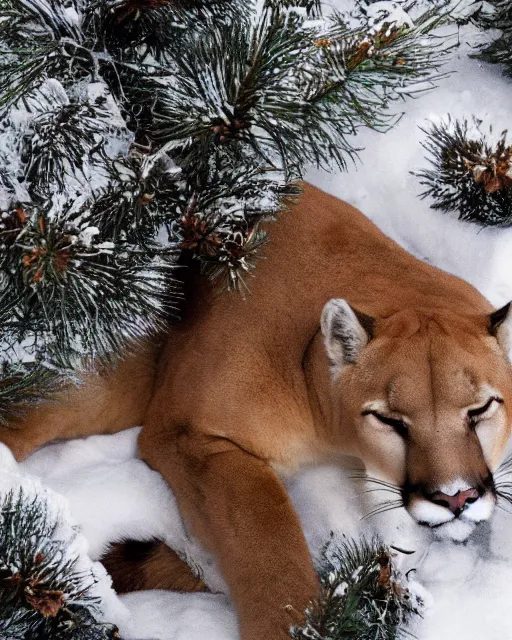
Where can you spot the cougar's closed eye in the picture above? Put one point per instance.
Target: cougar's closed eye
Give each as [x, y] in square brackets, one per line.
[400, 426]
[484, 411]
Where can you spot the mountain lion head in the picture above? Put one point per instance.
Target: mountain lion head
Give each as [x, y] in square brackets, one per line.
[427, 395]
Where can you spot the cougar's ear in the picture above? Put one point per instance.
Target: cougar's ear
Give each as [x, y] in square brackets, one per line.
[346, 332]
[500, 326]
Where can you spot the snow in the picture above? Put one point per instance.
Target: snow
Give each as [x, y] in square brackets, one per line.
[163, 615]
[18, 127]
[383, 187]
[389, 13]
[113, 495]
[86, 237]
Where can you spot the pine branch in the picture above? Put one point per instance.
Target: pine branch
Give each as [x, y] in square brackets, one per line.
[73, 41]
[24, 384]
[129, 119]
[405, 58]
[43, 595]
[38, 40]
[220, 224]
[498, 18]
[78, 295]
[469, 175]
[363, 596]
[290, 92]
[312, 8]
[141, 27]
[63, 140]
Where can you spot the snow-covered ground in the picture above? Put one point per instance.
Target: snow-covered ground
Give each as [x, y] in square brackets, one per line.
[113, 495]
[382, 185]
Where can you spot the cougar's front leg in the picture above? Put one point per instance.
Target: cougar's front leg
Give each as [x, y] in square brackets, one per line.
[236, 505]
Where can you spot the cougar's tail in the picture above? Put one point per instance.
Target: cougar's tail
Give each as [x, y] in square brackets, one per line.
[136, 566]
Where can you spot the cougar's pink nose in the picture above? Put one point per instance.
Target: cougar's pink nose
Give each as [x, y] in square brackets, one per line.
[456, 503]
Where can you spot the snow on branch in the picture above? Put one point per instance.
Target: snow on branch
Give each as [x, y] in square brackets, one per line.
[49, 588]
[134, 131]
[470, 174]
[363, 595]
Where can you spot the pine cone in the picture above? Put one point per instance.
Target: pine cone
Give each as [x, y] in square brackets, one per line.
[46, 601]
[494, 173]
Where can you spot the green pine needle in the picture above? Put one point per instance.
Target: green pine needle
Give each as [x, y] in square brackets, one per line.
[209, 113]
[497, 17]
[469, 175]
[42, 595]
[363, 597]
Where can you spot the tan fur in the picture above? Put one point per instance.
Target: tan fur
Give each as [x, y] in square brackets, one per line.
[105, 402]
[244, 389]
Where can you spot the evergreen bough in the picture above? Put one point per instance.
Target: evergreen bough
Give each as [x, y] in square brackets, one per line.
[136, 131]
[469, 174]
[43, 595]
[497, 17]
[363, 597]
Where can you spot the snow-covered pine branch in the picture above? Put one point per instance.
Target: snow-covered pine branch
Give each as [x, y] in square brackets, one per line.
[496, 17]
[134, 130]
[470, 172]
[49, 588]
[363, 594]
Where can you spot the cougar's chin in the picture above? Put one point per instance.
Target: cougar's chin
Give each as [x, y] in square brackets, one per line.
[457, 530]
